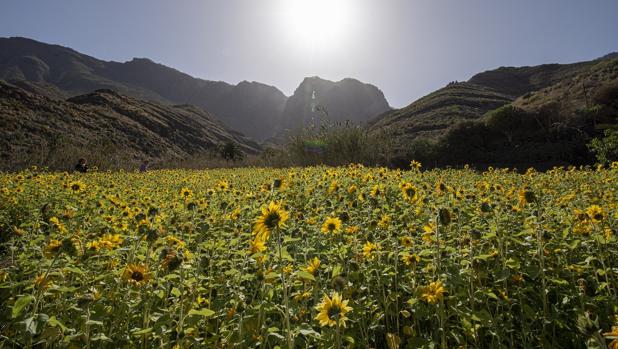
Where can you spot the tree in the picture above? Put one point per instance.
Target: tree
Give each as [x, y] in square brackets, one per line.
[231, 151]
[605, 149]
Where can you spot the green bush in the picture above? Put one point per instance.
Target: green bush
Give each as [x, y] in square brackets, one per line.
[605, 149]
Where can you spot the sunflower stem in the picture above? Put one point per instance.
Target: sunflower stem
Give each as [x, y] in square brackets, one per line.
[338, 335]
[288, 332]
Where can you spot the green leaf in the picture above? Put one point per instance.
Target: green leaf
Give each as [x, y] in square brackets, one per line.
[272, 275]
[309, 333]
[336, 270]
[20, 304]
[53, 322]
[142, 332]
[202, 312]
[305, 275]
[492, 295]
[94, 323]
[101, 337]
[31, 325]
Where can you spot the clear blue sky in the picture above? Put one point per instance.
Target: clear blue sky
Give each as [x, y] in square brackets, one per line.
[405, 47]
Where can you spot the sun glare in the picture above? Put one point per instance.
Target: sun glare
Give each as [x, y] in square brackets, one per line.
[318, 24]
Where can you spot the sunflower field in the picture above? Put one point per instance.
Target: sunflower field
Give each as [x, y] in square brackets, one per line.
[314, 257]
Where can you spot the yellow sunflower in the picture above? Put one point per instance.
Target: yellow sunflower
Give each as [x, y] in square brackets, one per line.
[368, 249]
[136, 274]
[595, 213]
[53, 247]
[409, 192]
[186, 193]
[410, 259]
[332, 310]
[314, 265]
[273, 216]
[613, 334]
[331, 225]
[77, 186]
[406, 241]
[257, 245]
[433, 292]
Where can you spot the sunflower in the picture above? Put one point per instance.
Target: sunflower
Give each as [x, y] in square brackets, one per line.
[171, 259]
[595, 213]
[415, 165]
[273, 216]
[186, 193]
[331, 225]
[54, 221]
[53, 247]
[526, 196]
[433, 292]
[441, 188]
[409, 191]
[257, 245]
[352, 229]
[377, 190]
[368, 249]
[223, 185]
[406, 241]
[410, 259]
[313, 266]
[332, 310]
[334, 186]
[384, 222]
[77, 186]
[613, 334]
[136, 274]
[444, 216]
[42, 281]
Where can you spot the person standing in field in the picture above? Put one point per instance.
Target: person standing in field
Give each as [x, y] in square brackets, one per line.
[144, 166]
[81, 166]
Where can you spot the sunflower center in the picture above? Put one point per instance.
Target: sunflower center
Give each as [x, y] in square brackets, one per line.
[137, 276]
[410, 192]
[598, 216]
[334, 311]
[75, 187]
[331, 226]
[272, 220]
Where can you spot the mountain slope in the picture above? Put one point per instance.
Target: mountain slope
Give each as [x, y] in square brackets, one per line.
[544, 128]
[345, 100]
[517, 81]
[252, 108]
[74, 73]
[564, 88]
[34, 126]
[431, 115]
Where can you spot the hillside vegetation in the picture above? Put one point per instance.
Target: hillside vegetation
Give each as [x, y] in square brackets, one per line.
[105, 127]
[465, 123]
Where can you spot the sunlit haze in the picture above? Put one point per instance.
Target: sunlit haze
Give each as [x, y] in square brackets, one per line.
[406, 48]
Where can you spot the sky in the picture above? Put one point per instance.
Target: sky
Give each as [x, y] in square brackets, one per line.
[407, 48]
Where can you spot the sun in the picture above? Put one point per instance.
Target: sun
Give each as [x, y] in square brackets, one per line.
[318, 24]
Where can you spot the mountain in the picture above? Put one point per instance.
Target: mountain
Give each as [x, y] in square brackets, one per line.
[431, 115]
[103, 124]
[74, 73]
[529, 116]
[346, 100]
[252, 108]
[517, 81]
